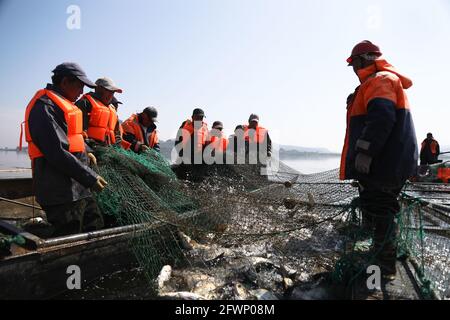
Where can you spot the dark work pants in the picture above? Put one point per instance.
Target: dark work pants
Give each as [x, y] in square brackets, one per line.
[74, 217]
[379, 207]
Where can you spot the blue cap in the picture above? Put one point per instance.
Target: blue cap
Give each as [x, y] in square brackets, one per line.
[74, 69]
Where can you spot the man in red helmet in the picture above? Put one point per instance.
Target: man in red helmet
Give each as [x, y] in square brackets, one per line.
[380, 149]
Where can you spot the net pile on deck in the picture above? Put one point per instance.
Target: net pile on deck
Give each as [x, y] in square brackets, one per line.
[142, 190]
[425, 236]
[298, 218]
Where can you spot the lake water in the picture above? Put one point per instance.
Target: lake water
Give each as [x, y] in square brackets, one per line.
[313, 165]
[14, 160]
[18, 160]
[11, 160]
[14, 165]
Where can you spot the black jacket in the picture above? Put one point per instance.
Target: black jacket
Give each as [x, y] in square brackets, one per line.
[60, 176]
[179, 140]
[131, 138]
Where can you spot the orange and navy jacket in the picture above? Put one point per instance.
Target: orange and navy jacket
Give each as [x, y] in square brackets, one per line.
[379, 124]
[100, 122]
[135, 135]
[53, 129]
[186, 135]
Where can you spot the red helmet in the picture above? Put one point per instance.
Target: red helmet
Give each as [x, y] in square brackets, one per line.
[364, 47]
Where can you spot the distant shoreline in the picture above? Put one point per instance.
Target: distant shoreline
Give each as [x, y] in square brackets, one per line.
[294, 154]
[24, 149]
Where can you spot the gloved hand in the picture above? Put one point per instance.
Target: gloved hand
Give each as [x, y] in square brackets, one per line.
[362, 163]
[100, 184]
[143, 148]
[92, 158]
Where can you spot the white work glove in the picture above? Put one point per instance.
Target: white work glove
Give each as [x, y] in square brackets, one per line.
[362, 163]
[100, 184]
[143, 148]
[92, 158]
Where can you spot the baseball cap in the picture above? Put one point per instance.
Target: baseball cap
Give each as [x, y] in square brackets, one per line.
[74, 69]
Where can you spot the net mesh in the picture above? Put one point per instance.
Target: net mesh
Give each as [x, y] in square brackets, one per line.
[307, 221]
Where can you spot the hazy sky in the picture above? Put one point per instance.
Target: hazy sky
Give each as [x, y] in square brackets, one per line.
[284, 60]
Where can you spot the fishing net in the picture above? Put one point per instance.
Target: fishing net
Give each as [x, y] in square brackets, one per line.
[143, 191]
[6, 241]
[307, 222]
[425, 236]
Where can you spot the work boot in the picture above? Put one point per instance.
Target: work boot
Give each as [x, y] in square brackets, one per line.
[367, 221]
[385, 245]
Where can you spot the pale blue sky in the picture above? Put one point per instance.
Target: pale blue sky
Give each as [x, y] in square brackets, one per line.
[282, 59]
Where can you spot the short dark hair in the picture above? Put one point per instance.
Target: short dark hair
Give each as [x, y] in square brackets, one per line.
[57, 78]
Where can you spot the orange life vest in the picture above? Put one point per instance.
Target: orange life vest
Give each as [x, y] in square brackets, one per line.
[433, 146]
[72, 115]
[189, 131]
[219, 143]
[102, 121]
[258, 136]
[444, 174]
[132, 126]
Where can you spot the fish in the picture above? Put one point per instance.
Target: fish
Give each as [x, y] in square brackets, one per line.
[182, 295]
[164, 276]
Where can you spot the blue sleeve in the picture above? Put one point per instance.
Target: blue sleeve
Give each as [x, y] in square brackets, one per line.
[131, 138]
[51, 138]
[380, 119]
[156, 147]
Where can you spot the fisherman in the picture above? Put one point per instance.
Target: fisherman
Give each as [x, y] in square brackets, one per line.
[115, 103]
[100, 120]
[140, 130]
[218, 142]
[119, 135]
[258, 144]
[192, 138]
[380, 149]
[62, 178]
[429, 151]
[236, 145]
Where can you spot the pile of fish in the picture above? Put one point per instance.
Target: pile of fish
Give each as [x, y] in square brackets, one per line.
[260, 271]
